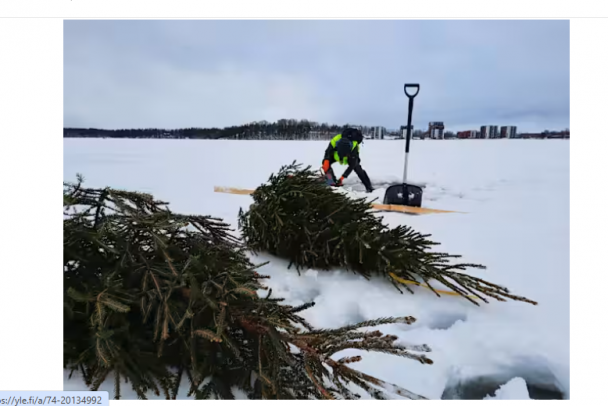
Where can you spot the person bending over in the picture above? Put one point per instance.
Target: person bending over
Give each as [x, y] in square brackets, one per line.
[344, 148]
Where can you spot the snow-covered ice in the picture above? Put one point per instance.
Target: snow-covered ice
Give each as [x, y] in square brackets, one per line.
[516, 197]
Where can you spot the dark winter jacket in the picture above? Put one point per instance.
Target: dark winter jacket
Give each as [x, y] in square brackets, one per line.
[343, 151]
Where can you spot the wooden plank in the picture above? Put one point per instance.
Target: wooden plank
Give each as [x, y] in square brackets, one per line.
[409, 209]
[377, 206]
[232, 190]
[445, 292]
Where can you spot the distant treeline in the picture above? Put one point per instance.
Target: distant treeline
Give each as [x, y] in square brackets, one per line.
[285, 129]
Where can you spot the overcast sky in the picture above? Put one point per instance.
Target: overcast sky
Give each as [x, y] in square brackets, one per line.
[175, 74]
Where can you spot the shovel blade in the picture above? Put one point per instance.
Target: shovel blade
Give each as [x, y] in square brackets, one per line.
[404, 195]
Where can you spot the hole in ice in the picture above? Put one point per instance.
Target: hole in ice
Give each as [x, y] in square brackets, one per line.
[540, 382]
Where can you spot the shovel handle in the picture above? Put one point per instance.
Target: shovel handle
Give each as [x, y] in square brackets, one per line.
[412, 85]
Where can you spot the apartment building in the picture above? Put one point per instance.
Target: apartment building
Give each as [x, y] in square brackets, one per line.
[489, 131]
[378, 133]
[436, 130]
[508, 131]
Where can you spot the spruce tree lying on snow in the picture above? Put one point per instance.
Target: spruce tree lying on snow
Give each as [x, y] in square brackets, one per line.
[153, 298]
[297, 217]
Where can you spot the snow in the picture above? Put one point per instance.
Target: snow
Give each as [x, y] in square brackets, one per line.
[515, 194]
[515, 389]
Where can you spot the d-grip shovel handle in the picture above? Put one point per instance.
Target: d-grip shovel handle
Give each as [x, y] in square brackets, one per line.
[416, 86]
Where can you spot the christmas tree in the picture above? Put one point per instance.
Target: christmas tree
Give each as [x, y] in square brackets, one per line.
[297, 217]
[154, 298]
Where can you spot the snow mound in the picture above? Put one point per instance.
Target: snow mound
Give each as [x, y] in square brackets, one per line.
[515, 389]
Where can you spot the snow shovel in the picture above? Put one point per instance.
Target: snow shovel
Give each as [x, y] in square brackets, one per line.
[405, 194]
